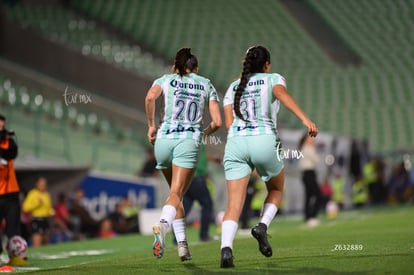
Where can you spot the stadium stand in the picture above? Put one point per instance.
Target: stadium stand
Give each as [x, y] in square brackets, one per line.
[65, 27]
[372, 101]
[350, 100]
[48, 129]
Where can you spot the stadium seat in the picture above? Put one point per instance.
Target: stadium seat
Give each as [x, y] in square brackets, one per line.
[347, 101]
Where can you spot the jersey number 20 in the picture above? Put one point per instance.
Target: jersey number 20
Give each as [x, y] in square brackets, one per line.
[187, 110]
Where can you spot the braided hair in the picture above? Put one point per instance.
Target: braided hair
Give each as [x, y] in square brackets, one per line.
[253, 62]
[185, 60]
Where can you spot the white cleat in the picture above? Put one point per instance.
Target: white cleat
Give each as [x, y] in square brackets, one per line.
[158, 246]
[183, 251]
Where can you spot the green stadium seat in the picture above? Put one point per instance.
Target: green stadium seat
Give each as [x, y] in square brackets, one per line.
[346, 101]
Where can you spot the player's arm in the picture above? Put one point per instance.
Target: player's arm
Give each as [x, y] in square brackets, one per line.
[287, 100]
[153, 93]
[228, 115]
[215, 124]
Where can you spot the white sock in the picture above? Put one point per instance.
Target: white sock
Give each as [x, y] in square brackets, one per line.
[228, 232]
[178, 226]
[268, 213]
[168, 214]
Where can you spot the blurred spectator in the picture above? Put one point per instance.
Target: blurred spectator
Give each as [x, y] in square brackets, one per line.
[106, 230]
[61, 220]
[149, 170]
[308, 164]
[326, 193]
[411, 188]
[39, 204]
[87, 225]
[374, 177]
[399, 185]
[338, 185]
[119, 222]
[359, 193]
[259, 195]
[355, 161]
[130, 212]
[370, 175]
[9, 187]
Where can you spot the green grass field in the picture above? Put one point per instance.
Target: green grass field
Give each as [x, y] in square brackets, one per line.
[369, 241]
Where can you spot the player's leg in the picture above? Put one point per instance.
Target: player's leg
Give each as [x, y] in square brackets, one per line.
[270, 207]
[183, 156]
[36, 233]
[237, 173]
[190, 196]
[178, 224]
[270, 167]
[12, 216]
[236, 194]
[2, 216]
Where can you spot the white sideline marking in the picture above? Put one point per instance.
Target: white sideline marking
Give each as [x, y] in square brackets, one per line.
[64, 255]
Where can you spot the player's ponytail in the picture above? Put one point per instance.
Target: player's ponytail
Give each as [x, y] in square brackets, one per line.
[185, 60]
[240, 88]
[253, 62]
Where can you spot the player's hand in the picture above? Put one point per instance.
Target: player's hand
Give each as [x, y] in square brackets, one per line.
[312, 128]
[152, 133]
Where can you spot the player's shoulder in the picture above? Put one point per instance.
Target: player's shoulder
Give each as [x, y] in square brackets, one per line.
[277, 78]
[162, 79]
[278, 75]
[234, 84]
[200, 77]
[167, 76]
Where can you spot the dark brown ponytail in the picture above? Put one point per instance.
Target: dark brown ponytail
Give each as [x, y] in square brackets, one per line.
[244, 78]
[253, 62]
[185, 60]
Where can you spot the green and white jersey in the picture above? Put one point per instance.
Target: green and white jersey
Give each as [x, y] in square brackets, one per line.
[185, 99]
[257, 104]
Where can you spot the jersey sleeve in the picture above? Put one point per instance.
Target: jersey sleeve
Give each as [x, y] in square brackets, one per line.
[277, 79]
[213, 95]
[158, 81]
[228, 97]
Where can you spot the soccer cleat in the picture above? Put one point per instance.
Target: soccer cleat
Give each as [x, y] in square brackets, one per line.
[158, 246]
[183, 251]
[259, 231]
[18, 261]
[226, 257]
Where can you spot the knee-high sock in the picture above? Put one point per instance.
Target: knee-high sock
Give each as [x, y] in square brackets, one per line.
[168, 214]
[228, 232]
[268, 213]
[178, 226]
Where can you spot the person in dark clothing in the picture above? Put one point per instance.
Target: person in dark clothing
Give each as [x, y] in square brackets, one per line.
[198, 191]
[355, 167]
[9, 187]
[312, 191]
[149, 169]
[87, 225]
[119, 222]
